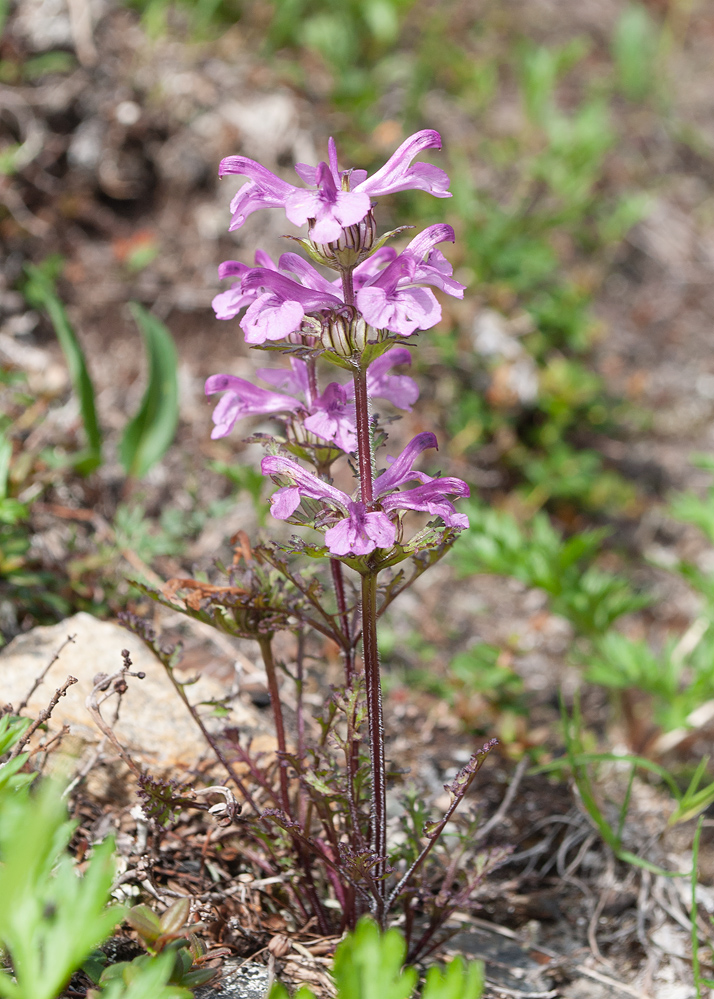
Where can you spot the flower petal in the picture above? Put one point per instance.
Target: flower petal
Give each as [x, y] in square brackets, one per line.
[333, 418]
[308, 484]
[285, 502]
[331, 208]
[402, 311]
[401, 471]
[361, 532]
[263, 190]
[267, 318]
[398, 174]
[401, 390]
[295, 380]
[227, 304]
[431, 498]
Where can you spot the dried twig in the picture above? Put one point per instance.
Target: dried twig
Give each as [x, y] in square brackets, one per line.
[80, 18]
[606, 980]
[102, 683]
[43, 716]
[38, 680]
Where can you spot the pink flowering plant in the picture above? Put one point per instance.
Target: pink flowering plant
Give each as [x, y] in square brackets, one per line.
[354, 306]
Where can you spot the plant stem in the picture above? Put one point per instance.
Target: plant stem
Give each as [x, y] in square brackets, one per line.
[348, 648]
[373, 685]
[348, 288]
[364, 437]
[266, 650]
[370, 651]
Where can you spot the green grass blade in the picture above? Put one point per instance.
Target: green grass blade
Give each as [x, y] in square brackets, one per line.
[40, 291]
[150, 432]
[5, 456]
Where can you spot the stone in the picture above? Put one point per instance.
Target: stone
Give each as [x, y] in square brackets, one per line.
[153, 725]
[240, 980]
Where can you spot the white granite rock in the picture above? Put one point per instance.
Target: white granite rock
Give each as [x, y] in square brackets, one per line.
[153, 724]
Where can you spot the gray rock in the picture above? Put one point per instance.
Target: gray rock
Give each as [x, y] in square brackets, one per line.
[239, 981]
[153, 724]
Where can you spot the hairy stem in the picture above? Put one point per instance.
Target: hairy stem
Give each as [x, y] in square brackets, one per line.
[348, 648]
[370, 651]
[266, 650]
[373, 684]
[365, 457]
[300, 715]
[348, 288]
[312, 390]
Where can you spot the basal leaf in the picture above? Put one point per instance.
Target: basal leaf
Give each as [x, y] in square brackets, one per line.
[41, 292]
[150, 432]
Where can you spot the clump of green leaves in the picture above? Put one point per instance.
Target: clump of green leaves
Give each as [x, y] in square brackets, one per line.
[169, 936]
[370, 965]
[582, 766]
[538, 555]
[51, 919]
[352, 38]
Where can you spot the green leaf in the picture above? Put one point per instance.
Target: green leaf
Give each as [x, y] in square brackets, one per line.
[40, 291]
[50, 920]
[12, 729]
[145, 921]
[150, 432]
[174, 919]
[459, 981]
[5, 456]
[368, 964]
[145, 979]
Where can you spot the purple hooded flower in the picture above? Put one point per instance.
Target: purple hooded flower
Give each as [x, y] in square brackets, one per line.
[340, 198]
[242, 398]
[330, 416]
[359, 531]
[401, 390]
[333, 419]
[388, 287]
[278, 297]
[430, 496]
[393, 298]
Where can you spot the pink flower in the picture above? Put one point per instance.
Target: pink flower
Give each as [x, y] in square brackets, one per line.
[242, 398]
[277, 297]
[338, 198]
[359, 531]
[330, 416]
[389, 290]
[394, 298]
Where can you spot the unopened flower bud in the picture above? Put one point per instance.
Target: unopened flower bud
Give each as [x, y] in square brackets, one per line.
[354, 245]
[344, 333]
[336, 335]
[359, 333]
